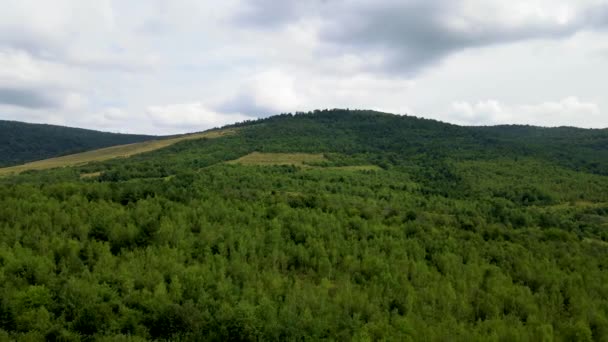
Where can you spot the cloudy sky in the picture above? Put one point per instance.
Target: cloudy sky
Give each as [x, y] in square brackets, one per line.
[170, 66]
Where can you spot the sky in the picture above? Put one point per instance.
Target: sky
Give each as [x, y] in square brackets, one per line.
[176, 66]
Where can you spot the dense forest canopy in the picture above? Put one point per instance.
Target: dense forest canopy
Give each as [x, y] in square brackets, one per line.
[23, 142]
[329, 225]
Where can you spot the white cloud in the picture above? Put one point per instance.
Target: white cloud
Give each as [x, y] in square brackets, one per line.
[569, 111]
[406, 37]
[159, 119]
[48, 30]
[275, 90]
[185, 116]
[174, 66]
[31, 83]
[20, 69]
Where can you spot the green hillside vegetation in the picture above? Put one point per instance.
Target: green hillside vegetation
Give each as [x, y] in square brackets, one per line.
[332, 225]
[120, 151]
[22, 142]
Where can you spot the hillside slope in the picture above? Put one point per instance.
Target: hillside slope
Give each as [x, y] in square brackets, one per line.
[120, 151]
[332, 225]
[23, 142]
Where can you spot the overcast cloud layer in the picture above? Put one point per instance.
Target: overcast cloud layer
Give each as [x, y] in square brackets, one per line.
[167, 67]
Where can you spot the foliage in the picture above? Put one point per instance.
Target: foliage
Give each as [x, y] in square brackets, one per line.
[21, 142]
[444, 240]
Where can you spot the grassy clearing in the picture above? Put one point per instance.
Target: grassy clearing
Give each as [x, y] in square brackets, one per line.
[355, 168]
[596, 241]
[580, 204]
[298, 159]
[306, 160]
[90, 175]
[121, 151]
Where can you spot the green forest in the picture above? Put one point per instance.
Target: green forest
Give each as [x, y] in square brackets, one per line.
[24, 142]
[369, 227]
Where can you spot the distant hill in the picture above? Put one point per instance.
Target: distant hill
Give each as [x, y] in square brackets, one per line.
[390, 137]
[23, 142]
[112, 152]
[379, 138]
[577, 148]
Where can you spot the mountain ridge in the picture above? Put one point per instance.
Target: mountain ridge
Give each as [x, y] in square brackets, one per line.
[576, 147]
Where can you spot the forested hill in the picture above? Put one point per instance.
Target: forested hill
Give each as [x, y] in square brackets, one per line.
[396, 137]
[23, 142]
[581, 149]
[333, 225]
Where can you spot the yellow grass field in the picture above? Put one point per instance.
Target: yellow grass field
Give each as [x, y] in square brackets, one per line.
[90, 175]
[297, 159]
[355, 168]
[120, 151]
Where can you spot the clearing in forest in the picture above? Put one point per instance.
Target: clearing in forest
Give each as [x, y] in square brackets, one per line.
[355, 168]
[298, 159]
[306, 160]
